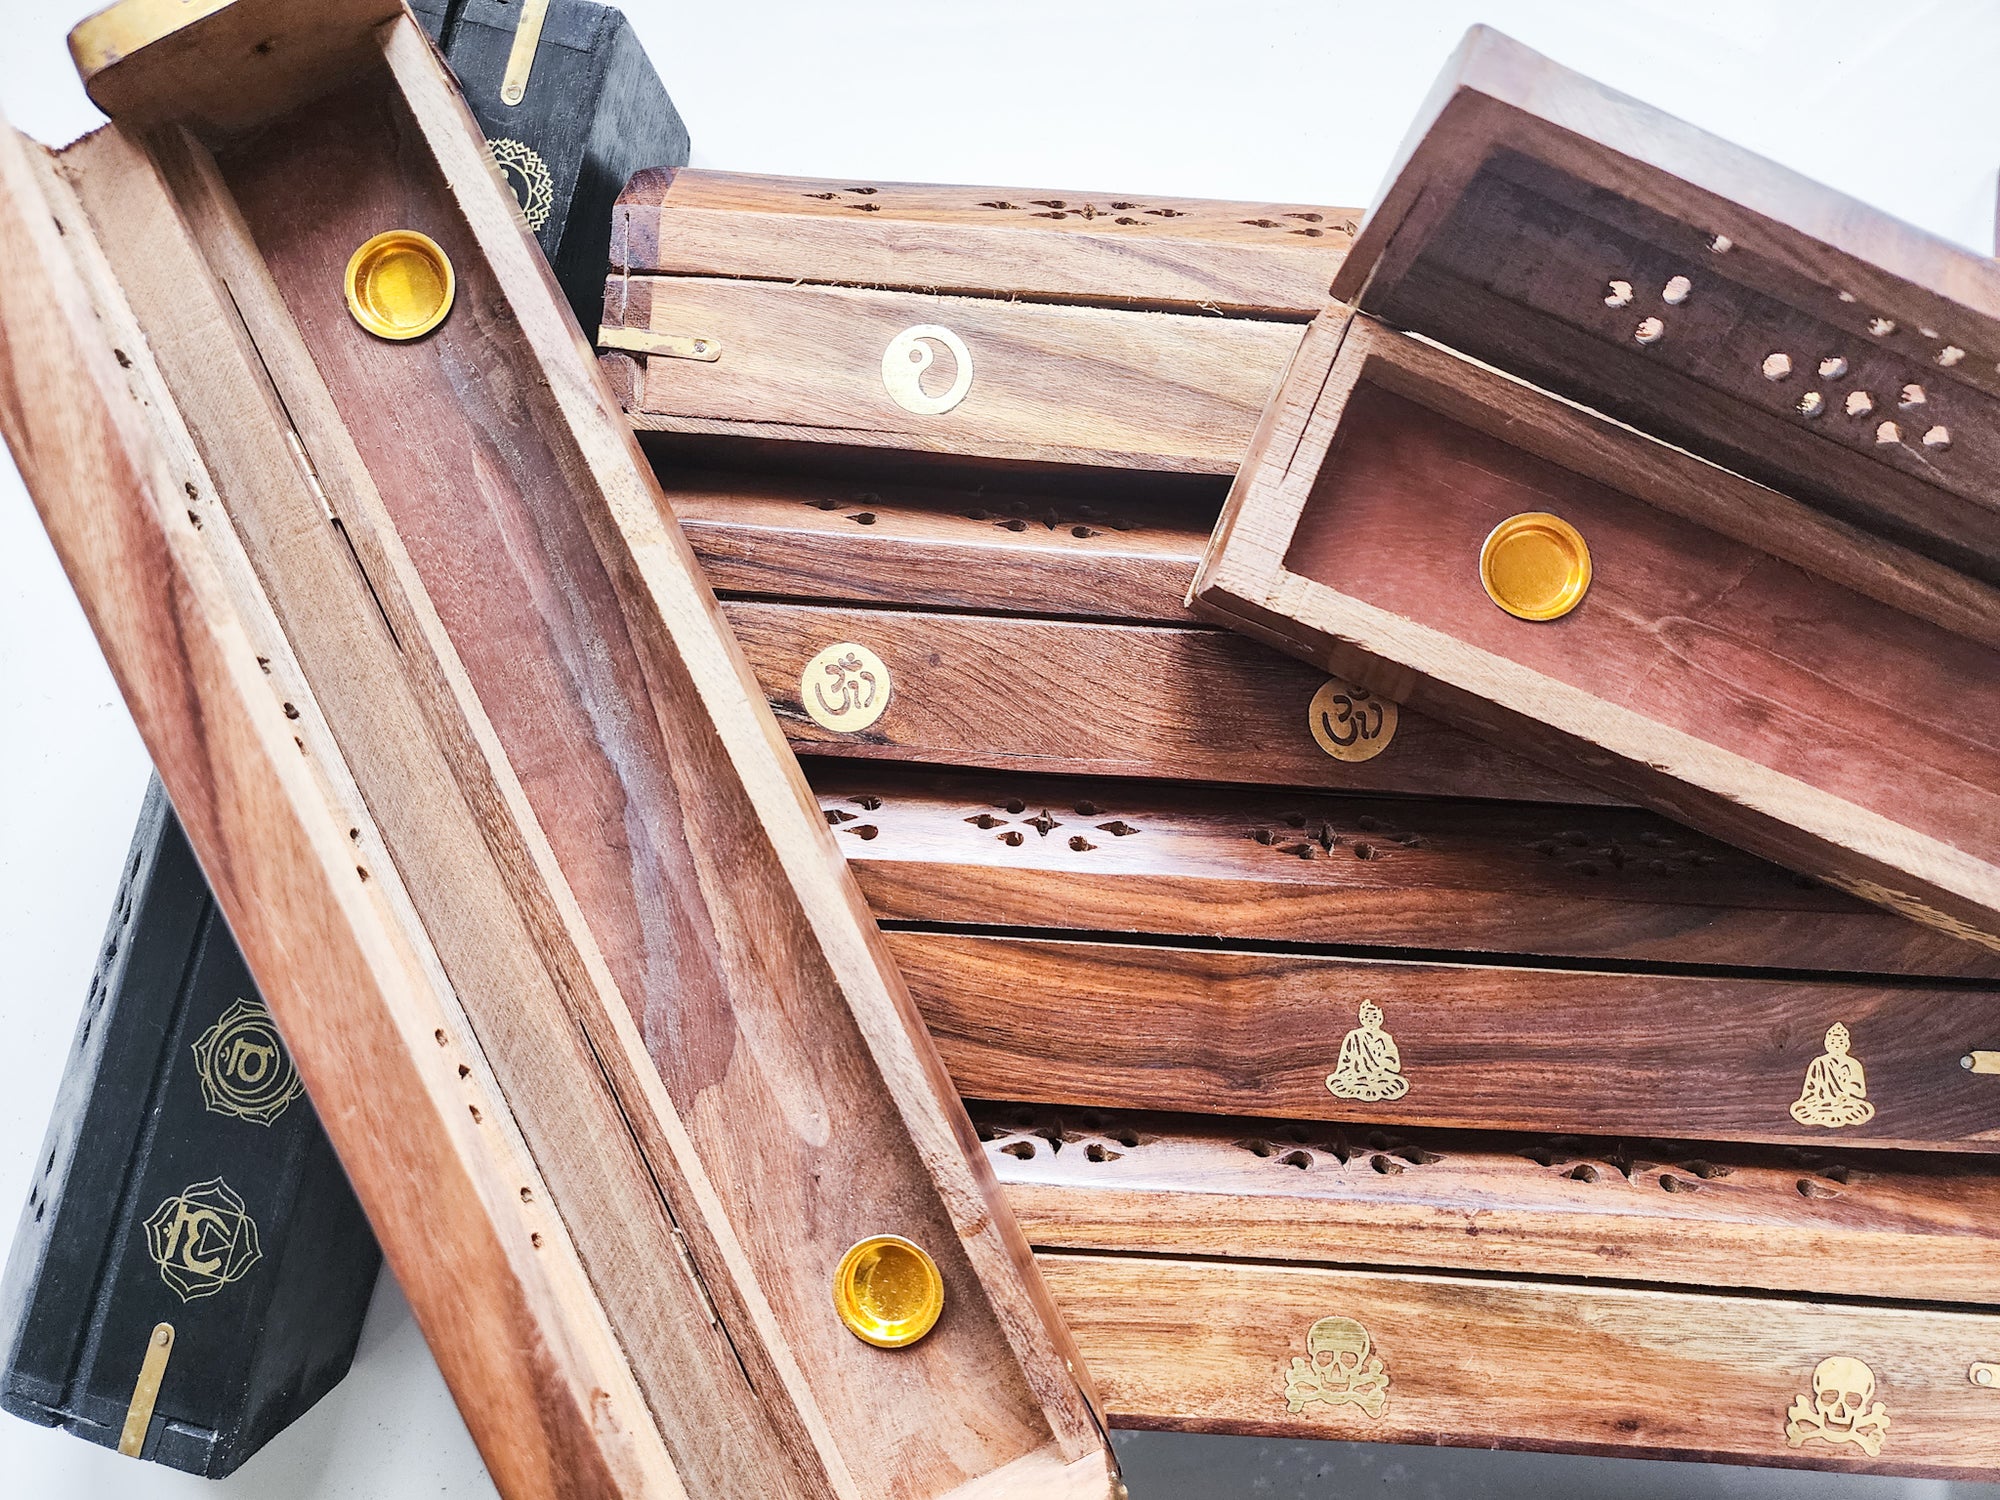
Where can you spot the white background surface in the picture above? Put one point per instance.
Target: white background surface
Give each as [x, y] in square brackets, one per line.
[1898, 104]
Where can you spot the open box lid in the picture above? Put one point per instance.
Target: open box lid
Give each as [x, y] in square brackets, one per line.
[1615, 255]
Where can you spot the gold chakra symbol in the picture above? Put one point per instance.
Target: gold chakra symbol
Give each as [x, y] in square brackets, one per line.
[1369, 1067]
[1350, 723]
[528, 175]
[1836, 1091]
[244, 1068]
[1339, 1367]
[845, 688]
[910, 355]
[1839, 1410]
[202, 1239]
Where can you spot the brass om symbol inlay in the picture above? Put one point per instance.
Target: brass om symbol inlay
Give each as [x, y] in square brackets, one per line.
[845, 688]
[1349, 722]
[243, 1067]
[910, 355]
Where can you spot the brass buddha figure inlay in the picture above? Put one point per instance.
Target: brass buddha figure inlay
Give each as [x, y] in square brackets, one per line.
[1836, 1089]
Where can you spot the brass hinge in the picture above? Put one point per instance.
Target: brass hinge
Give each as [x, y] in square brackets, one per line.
[521, 57]
[146, 1391]
[671, 345]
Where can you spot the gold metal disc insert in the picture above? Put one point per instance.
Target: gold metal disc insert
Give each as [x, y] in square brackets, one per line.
[1535, 566]
[399, 284]
[888, 1291]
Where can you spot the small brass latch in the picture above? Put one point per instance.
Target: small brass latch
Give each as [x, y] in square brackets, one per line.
[1980, 1062]
[1984, 1373]
[671, 345]
[146, 1391]
[521, 56]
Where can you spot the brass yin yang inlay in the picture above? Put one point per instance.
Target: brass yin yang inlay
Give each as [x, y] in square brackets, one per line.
[908, 359]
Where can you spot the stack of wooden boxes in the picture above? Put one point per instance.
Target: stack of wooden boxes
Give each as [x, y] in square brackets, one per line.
[1363, 1064]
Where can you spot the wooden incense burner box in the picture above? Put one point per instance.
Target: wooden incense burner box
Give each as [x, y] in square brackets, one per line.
[1780, 623]
[1075, 329]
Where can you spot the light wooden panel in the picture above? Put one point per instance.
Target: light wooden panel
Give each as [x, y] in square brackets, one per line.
[1207, 1346]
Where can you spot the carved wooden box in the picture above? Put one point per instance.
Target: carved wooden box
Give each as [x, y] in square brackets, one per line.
[1065, 328]
[1807, 664]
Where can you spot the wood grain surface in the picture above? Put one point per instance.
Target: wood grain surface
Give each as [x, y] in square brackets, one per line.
[1690, 1057]
[942, 546]
[1072, 385]
[1207, 1346]
[1527, 196]
[1103, 855]
[1836, 717]
[1180, 703]
[260, 787]
[579, 673]
[1266, 259]
[1830, 1223]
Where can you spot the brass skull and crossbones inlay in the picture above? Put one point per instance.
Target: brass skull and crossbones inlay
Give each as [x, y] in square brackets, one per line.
[1841, 1409]
[1339, 1367]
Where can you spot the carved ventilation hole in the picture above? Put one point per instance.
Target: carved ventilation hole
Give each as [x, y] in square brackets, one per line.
[1015, 806]
[1099, 1153]
[1013, 838]
[1256, 1148]
[1912, 395]
[1859, 404]
[1811, 404]
[1810, 1189]
[1618, 294]
[439, 1034]
[1044, 825]
[1950, 355]
[1014, 523]
[863, 518]
[1881, 327]
[863, 831]
[1938, 438]
[1128, 1138]
[867, 803]
[1541, 1156]
[1675, 292]
[828, 504]
[1649, 331]
[1086, 809]
[1776, 366]
[1706, 1170]
[1118, 828]
[1417, 1156]
[1675, 1184]
[1299, 1159]
[984, 820]
[1721, 244]
[1081, 844]
[1388, 1166]
[838, 815]
[1366, 851]
[1832, 367]
[1023, 1150]
[1839, 1174]
[1887, 435]
[1263, 836]
[1584, 1172]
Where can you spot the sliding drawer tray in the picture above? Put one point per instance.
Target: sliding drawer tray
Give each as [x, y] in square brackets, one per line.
[1813, 674]
[508, 836]
[1074, 329]
[1637, 1298]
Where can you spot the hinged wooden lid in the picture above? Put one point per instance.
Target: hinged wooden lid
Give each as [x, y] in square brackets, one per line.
[1607, 251]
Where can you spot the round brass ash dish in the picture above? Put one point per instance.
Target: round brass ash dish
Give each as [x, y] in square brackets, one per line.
[399, 284]
[888, 1292]
[1535, 566]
